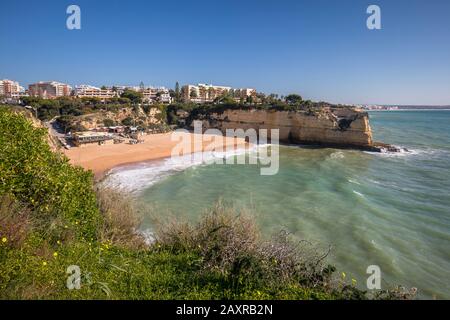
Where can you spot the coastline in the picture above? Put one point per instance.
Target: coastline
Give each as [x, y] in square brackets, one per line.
[101, 159]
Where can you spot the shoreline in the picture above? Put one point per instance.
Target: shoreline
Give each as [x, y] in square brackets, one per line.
[102, 159]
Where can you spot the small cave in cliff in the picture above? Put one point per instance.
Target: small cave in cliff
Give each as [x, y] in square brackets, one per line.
[344, 123]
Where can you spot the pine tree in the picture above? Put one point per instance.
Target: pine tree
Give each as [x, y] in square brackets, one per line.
[177, 92]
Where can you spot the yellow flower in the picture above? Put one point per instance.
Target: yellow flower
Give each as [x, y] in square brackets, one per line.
[343, 275]
[76, 222]
[354, 282]
[4, 239]
[55, 254]
[44, 263]
[58, 242]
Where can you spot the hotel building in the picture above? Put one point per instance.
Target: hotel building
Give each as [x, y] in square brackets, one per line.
[49, 90]
[203, 93]
[86, 91]
[11, 89]
[152, 94]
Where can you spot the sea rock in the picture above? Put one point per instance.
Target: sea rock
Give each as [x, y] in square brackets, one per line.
[344, 127]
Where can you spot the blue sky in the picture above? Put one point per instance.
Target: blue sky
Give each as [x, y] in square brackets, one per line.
[321, 49]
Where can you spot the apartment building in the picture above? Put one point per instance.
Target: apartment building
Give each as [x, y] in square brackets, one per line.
[244, 93]
[153, 94]
[49, 89]
[87, 91]
[203, 93]
[118, 89]
[11, 89]
[150, 94]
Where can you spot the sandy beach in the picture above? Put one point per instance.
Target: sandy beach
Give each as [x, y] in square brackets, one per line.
[100, 159]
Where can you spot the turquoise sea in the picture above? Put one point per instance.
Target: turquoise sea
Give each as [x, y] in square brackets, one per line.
[390, 210]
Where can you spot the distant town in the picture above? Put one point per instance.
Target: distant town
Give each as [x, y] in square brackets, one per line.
[12, 92]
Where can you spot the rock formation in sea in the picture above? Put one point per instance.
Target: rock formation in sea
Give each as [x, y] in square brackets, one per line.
[337, 126]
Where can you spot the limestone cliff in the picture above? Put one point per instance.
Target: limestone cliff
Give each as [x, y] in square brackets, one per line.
[333, 126]
[137, 116]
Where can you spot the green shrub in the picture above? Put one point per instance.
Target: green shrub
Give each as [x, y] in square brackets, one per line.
[128, 121]
[230, 245]
[109, 123]
[61, 195]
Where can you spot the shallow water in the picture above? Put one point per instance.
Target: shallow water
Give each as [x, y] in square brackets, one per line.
[390, 210]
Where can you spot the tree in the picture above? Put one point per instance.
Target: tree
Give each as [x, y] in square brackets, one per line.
[193, 93]
[294, 99]
[128, 121]
[203, 93]
[104, 88]
[177, 92]
[211, 93]
[109, 123]
[134, 96]
[228, 100]
[225, 98]
[66, 122]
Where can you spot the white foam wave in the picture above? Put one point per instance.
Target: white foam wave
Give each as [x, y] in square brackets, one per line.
[358, 193]
[137, 177]
[337, 155]
[407, 152]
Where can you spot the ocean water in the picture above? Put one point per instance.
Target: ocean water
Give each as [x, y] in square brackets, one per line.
[390, 210]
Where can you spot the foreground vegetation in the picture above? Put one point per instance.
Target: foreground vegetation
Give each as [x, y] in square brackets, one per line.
[52, 217]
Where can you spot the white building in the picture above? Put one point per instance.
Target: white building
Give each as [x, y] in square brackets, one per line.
[202, 93]
[87, 91]
[11, 89]
[155, 94]
[149, 94]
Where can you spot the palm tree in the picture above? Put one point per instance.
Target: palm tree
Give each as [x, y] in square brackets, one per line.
[193, 93]
[203, 93]
[211, 93]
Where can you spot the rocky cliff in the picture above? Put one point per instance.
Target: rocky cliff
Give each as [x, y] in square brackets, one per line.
[333, 126]
[137, 116]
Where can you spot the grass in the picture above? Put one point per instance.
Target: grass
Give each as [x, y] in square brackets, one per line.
[114, 273]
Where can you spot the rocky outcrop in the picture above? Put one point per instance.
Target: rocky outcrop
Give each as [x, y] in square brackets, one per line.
[138, 116]
[332, 126]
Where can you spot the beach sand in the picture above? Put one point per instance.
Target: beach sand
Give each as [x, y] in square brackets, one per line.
[100, 159]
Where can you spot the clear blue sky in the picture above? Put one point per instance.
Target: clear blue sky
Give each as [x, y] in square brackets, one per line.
[318, 48]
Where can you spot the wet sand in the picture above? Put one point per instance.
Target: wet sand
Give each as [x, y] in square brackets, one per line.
[100, 159]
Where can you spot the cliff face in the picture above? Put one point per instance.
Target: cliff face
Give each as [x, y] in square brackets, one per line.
[334, 126]
[94, 120]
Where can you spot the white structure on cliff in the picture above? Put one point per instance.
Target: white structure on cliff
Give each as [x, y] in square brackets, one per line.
[203, 93]
[87, 91]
